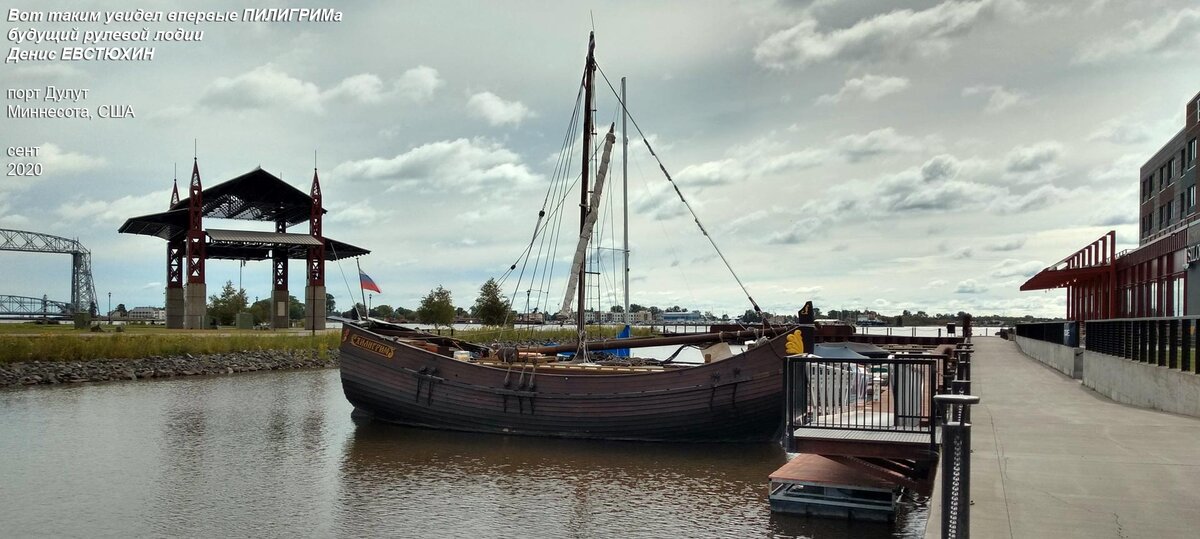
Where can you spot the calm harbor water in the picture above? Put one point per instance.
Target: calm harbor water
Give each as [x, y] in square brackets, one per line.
[276, 454]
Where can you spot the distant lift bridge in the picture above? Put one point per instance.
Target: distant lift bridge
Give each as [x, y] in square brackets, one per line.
[83, 290]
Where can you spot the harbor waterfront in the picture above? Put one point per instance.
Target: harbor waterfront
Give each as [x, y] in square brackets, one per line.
[267, 454]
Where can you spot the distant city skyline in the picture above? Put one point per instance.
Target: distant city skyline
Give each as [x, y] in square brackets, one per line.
[850, 153]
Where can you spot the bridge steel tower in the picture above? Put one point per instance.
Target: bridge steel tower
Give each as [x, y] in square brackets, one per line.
[83, 290]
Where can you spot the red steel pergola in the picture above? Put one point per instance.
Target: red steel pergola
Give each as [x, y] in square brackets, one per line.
[1090, 277]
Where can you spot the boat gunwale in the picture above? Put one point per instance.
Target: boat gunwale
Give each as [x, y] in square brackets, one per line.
[518, 365]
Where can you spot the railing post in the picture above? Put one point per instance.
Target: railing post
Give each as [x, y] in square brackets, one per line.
[789, 413]
[1136, 329]
[956, 468]
[1151, 341]
[1185, 345]
[1127, 340]
[1160, 355]
[1147, 340]
[1173, 344]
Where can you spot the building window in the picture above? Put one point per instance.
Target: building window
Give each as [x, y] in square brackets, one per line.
[1193, 152]
[1192, 198]
[1179, 297]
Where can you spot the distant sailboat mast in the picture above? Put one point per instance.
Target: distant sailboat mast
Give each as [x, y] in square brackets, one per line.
[625, 193]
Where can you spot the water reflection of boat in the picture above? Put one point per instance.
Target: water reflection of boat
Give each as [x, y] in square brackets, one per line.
[417, 379]
[398, 451]
[461, 484]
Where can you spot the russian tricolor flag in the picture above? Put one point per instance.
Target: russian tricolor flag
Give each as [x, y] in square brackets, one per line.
[366, 283]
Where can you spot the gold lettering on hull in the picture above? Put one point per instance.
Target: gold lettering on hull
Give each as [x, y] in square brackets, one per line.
[374, 347]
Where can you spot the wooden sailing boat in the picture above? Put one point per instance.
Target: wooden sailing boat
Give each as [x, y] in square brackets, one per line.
[413, 378]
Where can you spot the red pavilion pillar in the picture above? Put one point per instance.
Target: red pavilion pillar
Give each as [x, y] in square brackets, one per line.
[314, 292]
[174, 293]
[196, 294]
[280, 301]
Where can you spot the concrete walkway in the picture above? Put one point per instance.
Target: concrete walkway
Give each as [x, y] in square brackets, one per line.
[1054, 459]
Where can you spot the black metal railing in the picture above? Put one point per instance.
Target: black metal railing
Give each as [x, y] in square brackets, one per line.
[1166, 342]
[884, 395]
[956, 466]
[904, 393]
[1061, 332]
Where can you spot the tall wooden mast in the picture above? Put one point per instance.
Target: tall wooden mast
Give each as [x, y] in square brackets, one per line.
[589, 71]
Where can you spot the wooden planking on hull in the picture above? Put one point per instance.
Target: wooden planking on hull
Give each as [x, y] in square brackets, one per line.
[452, 410]
[740, 400]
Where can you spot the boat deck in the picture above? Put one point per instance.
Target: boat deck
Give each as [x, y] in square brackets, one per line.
[578, 368]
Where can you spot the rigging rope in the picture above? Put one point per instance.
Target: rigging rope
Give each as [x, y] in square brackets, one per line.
[695, 217]
[524, 257]
[343, 272]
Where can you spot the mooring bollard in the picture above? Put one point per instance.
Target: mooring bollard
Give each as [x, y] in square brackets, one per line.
[956, 466]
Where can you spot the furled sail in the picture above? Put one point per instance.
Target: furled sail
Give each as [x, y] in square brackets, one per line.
[589, 223]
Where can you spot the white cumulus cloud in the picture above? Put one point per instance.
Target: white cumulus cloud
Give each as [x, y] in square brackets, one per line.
[467, 164]
[999, 98]
[857, 148]
[1172, 34]
[496, 110]
[419, 83]
[899, 33]
[268, 86]
[263, 87]
[867, 88]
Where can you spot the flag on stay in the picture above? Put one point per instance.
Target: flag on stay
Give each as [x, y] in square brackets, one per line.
[366, 283]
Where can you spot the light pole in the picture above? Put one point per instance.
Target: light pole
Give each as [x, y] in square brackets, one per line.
[110, 308]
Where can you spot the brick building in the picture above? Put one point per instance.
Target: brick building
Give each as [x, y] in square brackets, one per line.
[1152, 280]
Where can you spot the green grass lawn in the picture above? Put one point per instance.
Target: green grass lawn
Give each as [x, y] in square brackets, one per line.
[62, 342]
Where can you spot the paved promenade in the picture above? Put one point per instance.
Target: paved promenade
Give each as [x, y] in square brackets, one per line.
[1054, 459]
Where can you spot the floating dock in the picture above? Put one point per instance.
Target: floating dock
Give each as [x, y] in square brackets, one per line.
[813, 485]
[866, 430]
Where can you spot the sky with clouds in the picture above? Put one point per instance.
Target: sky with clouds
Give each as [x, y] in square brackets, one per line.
[856, 153]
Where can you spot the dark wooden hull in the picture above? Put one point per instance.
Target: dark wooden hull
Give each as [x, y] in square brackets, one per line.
[738, 399]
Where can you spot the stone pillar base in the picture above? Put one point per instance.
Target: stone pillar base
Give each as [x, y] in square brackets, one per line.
[195, 306]
[279, 309]
[314, 307]
[175, 307]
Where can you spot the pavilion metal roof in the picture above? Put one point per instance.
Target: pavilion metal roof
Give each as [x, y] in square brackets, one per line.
[252, 237]
[257, 195]
[334, 250]
[168, 225]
